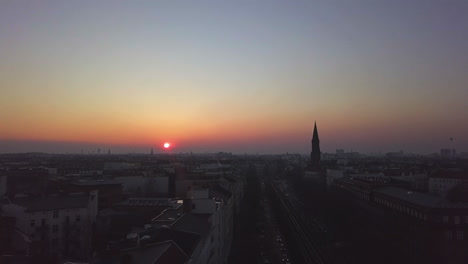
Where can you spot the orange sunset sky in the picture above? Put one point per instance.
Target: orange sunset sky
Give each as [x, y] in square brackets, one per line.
[238, 76]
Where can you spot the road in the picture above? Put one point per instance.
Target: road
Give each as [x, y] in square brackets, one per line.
[304, 234]
[273, 246]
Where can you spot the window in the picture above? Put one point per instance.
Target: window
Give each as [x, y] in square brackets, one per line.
[459, 235]
[456, 219]
[445, 219]
[55, 228]
[55, 214]
[448, 235]
[33, 222]
[78, 218]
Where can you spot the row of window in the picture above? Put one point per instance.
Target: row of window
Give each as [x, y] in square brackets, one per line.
[67, 220]
[447, 180]
[416, 213]
[456, 219]
[364, 196]
[459, 235]
[401, 208]
[57, 211]
[442, 192]
[55, 229]
[442, 186]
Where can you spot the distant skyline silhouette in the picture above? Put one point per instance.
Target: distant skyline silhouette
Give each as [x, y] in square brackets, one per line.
[238, 76]
[266, 147]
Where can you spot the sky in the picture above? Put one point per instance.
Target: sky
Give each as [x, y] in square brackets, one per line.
[237, 76]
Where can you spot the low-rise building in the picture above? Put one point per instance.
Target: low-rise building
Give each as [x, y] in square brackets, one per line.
[148, 186]
[59, 225]
[442, 181]
[448, 220]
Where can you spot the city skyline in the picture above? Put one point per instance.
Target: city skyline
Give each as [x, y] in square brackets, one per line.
[237, 77]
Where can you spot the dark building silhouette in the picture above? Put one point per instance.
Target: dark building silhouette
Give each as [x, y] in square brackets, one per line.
[315, 154]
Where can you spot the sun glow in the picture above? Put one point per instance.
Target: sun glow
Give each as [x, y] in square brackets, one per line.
[167, 145]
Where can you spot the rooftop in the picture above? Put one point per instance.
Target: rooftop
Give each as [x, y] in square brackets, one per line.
[95, 182]
[152, 239]
[193, 224]
[453, 173]
[160, 202]
[168, 216]
[185, 240]
[56, 202]
[220, 192]
[421, 199]
[157, 252]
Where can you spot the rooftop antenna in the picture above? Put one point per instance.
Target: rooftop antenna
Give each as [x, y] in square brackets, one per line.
[452, 153]
[451, 143]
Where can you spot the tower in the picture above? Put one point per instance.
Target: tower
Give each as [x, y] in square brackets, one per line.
[315, 154]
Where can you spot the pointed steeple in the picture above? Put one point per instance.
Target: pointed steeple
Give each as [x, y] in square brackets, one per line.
[315, 134]
[315, 154]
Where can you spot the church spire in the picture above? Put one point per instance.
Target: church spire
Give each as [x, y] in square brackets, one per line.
[315, 134]
[315, 154]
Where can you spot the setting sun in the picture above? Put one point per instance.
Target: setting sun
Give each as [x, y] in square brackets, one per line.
[166, 145]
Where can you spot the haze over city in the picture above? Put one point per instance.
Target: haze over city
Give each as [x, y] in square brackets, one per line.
[240, 76]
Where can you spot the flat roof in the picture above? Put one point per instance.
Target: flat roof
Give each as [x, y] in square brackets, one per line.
[95, 182]
[152, 252]
[50, 203]
[420, 199]
[169, 215]
[198, 224]
[160, 202]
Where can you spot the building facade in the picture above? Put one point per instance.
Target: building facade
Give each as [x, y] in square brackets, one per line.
[56, 225]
